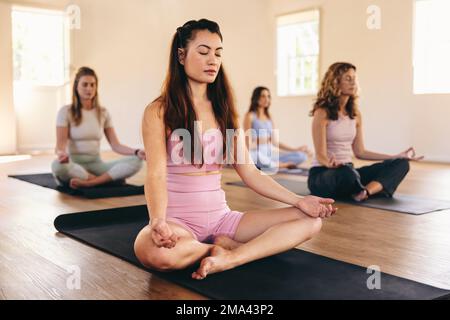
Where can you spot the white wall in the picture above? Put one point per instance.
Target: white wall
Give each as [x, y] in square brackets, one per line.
[127, 43]
[7, 119]
[394, 118]
[29, 119]
[35, 110]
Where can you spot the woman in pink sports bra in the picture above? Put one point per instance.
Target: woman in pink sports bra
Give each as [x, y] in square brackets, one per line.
[190, 220]
[338, 134]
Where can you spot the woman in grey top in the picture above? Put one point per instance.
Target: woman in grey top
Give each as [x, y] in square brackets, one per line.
[80, 127]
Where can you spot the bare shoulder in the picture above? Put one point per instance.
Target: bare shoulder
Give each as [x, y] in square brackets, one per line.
[358, 116]
[154, 110]
[321, 115]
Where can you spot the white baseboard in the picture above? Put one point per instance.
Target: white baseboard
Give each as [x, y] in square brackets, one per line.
[440, 159]
[35, 148]
[45, 148]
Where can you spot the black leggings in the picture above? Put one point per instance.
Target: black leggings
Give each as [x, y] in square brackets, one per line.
[345, 181]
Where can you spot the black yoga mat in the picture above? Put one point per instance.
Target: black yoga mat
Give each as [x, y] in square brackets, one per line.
[295, 172]
[399, 203]
[105, 191]
[295, 274]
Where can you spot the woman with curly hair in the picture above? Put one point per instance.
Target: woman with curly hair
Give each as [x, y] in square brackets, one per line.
[338, 134]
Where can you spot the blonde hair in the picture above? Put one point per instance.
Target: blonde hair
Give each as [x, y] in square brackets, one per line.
[329, 93]
[75, 108]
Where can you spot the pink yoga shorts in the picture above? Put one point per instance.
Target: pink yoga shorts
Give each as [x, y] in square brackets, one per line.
[198, 204]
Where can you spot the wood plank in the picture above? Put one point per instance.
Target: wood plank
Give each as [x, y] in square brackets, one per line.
[34, 258]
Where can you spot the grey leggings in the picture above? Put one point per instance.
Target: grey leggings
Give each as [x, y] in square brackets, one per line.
[80, 166]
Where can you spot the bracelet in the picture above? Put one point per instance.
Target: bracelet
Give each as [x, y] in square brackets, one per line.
[136, 152]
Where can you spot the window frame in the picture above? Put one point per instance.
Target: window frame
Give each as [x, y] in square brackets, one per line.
[312, 10]
[416, 88]
[67, 45]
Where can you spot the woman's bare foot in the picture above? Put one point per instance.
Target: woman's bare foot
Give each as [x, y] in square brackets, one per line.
[219, 260]
[287, 165]
[226, 242]
[362, 196]
[76, 183]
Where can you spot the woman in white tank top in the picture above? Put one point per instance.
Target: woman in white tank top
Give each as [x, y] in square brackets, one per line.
[338, 135]
[79, 130]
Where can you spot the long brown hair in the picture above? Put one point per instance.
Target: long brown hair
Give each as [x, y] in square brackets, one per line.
[328, 96]
[254, 101]
[176, 100]
[75, 108]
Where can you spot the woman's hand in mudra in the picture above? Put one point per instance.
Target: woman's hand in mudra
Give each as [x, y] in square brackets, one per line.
[316, 207]
[63, 157]
[410, 154]
[162, 235]
[141, 154]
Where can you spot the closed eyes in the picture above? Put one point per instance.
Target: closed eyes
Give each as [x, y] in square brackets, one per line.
[203, 46]
[206, 53]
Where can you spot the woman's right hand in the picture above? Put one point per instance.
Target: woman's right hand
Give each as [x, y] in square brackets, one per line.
[63, 157]
[333, 163]
[162, 234]
[316, 207]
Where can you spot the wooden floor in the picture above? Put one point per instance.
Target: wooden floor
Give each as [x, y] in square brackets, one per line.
[34, 258]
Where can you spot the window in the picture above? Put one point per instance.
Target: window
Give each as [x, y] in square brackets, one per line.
[40, 46]
[298, 53]
[431, 47]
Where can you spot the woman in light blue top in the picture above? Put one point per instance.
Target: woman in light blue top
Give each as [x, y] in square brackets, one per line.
[265, 149]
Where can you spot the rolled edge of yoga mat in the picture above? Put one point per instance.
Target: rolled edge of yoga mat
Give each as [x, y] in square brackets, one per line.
[85, 219]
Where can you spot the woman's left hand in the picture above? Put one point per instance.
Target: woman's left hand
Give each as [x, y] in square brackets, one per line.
[141, 154]
[316, 207]
[410, 154]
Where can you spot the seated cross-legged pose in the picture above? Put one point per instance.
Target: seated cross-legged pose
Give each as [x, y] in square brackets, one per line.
[190, 220]
[81, 126]
[338, 134]
[265, 150]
